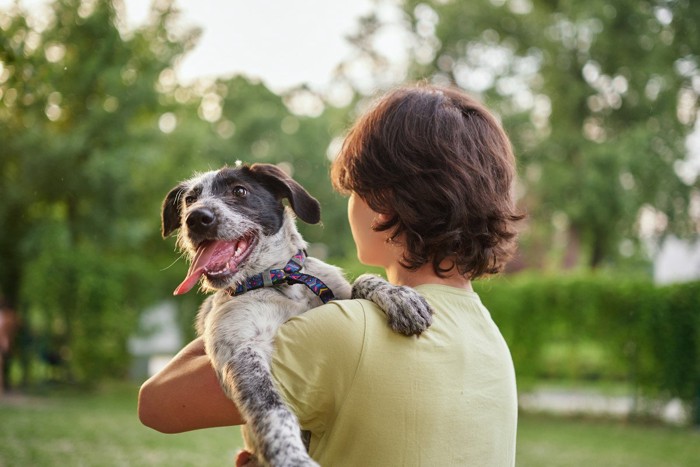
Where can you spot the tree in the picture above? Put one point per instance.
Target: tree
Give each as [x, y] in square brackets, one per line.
[96, 130]
[78, 120]
[598, 97]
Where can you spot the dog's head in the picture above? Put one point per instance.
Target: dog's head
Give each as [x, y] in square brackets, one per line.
[227, 219]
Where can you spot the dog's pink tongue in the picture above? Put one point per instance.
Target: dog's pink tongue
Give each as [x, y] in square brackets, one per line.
[209, 253]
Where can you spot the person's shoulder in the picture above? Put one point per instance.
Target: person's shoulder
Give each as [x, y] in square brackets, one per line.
[332, 320]
[314, 360]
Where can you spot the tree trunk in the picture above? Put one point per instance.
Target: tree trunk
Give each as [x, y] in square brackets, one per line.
[598, 251]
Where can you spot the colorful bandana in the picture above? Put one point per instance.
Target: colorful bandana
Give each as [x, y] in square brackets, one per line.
[290, 274]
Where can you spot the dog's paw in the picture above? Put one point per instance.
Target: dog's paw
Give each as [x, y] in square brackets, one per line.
[407, 311]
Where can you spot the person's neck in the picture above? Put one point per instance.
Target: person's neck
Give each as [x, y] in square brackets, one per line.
[398, 275]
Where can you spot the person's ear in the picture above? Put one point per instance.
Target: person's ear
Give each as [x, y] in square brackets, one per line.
[382, 218]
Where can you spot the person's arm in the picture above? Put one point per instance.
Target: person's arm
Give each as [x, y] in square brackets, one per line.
[186, 395]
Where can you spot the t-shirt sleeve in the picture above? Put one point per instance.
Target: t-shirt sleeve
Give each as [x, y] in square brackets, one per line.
[315, 359]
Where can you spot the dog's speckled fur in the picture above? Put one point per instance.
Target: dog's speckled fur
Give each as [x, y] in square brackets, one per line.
[239, 331]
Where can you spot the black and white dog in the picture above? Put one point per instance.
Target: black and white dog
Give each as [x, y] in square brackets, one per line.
[244, 245]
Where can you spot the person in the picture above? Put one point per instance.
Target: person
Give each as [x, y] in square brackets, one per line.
[9, 326]
[429, 172]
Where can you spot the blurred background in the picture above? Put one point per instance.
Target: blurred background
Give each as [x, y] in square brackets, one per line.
[106, 105]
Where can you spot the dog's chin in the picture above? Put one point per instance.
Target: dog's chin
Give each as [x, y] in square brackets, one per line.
[222, 281]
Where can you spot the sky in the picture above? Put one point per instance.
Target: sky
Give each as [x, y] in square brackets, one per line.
[284, 43]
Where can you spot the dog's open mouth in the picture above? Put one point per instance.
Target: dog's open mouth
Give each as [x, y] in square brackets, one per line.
[217, 259]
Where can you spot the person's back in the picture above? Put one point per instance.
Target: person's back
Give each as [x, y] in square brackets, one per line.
[372, 397]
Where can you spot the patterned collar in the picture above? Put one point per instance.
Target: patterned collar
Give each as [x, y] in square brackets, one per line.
[290, 274]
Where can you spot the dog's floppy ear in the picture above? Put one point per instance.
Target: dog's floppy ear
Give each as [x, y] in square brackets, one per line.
[304, 205]
[170, 215]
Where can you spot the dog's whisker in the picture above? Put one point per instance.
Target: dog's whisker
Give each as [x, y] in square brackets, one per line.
[182, 255]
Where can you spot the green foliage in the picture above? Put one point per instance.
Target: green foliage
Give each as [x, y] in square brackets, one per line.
[597, 97]
[95, 131]
[79, 111]
[601, 327]
[84, 308]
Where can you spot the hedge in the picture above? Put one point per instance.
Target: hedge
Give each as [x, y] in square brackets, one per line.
[601, 327]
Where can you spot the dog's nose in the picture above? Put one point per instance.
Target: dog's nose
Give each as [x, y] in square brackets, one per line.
[201, 220]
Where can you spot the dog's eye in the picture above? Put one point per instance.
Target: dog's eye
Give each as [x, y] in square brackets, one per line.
[189, 199]
[239, 191]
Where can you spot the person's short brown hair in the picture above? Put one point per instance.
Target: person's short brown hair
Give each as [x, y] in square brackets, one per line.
[441, 167]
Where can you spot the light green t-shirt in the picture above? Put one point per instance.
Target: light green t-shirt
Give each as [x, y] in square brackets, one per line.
[371, 397]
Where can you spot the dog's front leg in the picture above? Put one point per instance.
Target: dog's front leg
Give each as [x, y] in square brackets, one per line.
[276, 436]
[407, 311]
[239, 338]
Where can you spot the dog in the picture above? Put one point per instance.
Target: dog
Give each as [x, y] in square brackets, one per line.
[244, 246]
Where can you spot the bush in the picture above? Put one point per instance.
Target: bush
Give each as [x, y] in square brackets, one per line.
[80, 308]
[601, 327]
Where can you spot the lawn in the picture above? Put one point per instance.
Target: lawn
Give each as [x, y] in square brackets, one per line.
[101, 429]
[562, 442]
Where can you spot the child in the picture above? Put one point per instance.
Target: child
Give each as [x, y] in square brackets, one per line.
[429, 172]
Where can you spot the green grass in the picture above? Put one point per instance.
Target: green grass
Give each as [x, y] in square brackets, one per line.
[101, 429]
[560, 442]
